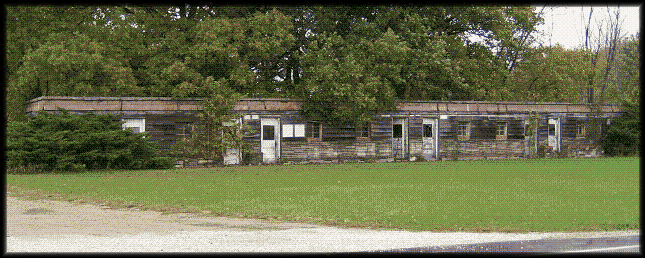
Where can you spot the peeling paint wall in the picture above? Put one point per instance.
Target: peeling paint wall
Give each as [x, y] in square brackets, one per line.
[168, 120]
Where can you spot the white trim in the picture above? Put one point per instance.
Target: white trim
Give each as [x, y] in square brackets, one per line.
[602, 249]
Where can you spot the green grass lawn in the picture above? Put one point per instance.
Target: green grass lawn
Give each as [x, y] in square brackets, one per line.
[481, 196]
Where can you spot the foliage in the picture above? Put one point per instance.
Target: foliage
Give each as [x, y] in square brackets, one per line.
[340, 90]
[623, 136]
[69, 142]
[71, 65]
[553, 75]
[217, 129]
[356, 59]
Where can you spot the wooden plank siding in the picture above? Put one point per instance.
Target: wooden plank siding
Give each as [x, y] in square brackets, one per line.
[169, 120]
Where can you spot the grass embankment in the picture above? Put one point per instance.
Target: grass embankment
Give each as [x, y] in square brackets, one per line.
[481, 196]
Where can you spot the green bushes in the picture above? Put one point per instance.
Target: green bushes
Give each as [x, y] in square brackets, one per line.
[66, 142]
[623, 136]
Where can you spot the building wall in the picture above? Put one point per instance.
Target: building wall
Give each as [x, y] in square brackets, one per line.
[168, 121]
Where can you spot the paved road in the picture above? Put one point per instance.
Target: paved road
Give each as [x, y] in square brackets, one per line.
[618, 244]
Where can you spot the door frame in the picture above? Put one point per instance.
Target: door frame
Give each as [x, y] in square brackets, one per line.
[557, 133]
[275, 122]
[403, 121]
[435, 131]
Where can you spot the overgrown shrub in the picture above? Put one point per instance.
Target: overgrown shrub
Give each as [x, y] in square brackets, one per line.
[66, 142]
[623, 136]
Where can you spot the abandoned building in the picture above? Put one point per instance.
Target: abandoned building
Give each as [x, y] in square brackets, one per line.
[416, 130]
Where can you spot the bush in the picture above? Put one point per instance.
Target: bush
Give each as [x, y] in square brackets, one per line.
[68, 142]
[623, 136]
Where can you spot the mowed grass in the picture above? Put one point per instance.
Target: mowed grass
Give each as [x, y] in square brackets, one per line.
[472, 196]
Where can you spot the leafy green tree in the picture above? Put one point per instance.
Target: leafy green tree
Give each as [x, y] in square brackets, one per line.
[337, 87]
[217, 129]
[71, 65]
[557, 75]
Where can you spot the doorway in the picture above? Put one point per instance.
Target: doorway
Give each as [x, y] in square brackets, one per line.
[270, 141]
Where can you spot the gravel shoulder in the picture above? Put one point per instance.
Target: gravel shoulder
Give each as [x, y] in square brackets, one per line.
[59, 226]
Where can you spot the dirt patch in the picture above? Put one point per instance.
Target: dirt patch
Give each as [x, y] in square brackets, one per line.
[47, 217]
[61, 226]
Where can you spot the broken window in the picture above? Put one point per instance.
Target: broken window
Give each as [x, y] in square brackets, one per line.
[397, 130]
[580, 129]
[427, 130]
[313, 130]
[551, 129]
[363, 132]
[502, 130]
[463, 130]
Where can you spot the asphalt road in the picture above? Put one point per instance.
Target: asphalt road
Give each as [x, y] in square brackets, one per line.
[619, 244]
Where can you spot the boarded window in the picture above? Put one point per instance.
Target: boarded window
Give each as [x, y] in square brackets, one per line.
[137, 124]
[293, 130]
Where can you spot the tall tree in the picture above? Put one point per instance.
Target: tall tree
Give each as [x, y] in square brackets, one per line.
[71, 65]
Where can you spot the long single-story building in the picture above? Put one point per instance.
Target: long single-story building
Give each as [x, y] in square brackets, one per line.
[416, 130]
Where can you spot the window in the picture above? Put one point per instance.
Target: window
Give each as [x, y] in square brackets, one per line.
[463, 130]
[293, 130]
[580, 129]
[184, 129]
[397, 130]
[502, 130]
[363, 132]
[268, 132]
[551, 129]
[138, 125]
[313, 130]
[427, 130]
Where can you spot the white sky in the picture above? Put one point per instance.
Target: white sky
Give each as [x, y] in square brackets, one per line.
[565, 25]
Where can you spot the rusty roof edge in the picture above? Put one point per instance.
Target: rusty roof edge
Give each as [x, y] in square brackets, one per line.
[616, 107]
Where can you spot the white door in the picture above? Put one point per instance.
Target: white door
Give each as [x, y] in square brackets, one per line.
[399, 138]
[429, 134]
[270, 132]
[554, 133]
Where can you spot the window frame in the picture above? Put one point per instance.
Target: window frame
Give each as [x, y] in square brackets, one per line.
[581, 129]
[128, 122]
[504, 135]
[293, 131]
[423, 133]
[463, 130]
[363, 133]
[311, 134]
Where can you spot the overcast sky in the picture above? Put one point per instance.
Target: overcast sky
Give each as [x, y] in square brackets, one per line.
[564, 25]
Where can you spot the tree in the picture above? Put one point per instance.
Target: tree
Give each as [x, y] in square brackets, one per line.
[622, 137]
[217, 129]
[337, 88]
[557, 75]
[71, 65]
